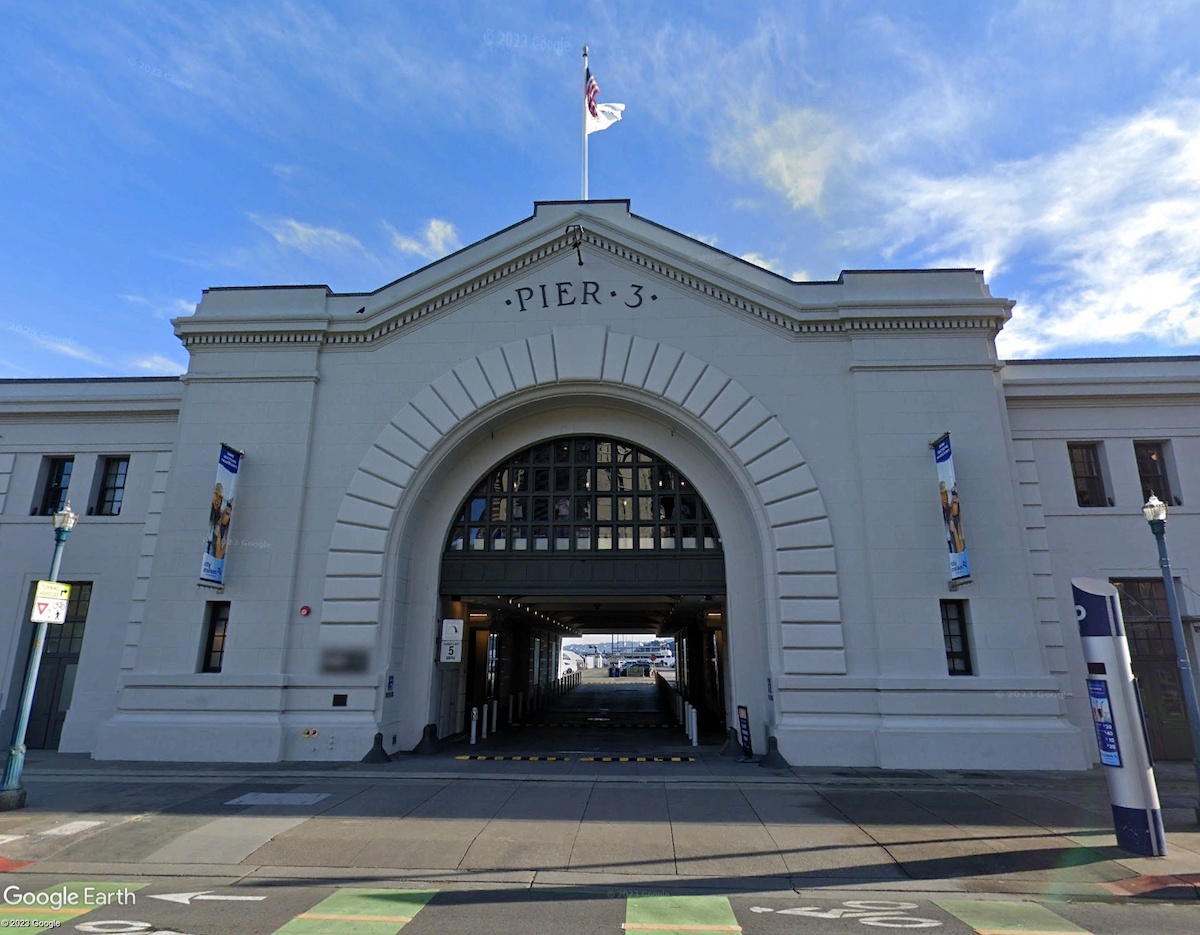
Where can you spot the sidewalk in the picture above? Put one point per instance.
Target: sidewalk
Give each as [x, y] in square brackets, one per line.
[709, 823]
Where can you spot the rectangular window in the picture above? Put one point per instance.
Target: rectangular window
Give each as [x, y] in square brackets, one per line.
[1152, 470]
[58, 479]
[1147, 618]
[1087, 473]
[954, 630]
[112, 487]
[214, 639]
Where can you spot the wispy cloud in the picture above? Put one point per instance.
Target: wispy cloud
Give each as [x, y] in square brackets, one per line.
[162, 309]
[61, 346]
[775, 266]
[309, 239]
[1111, 224]
[791, 153]
[437, 239]
[158, 363]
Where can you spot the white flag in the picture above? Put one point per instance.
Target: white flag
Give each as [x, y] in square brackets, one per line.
[606, 116]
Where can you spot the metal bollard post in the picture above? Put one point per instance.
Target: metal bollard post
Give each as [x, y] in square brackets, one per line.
[695, 728]
[474, 723]
[495, 711]
[483, 723]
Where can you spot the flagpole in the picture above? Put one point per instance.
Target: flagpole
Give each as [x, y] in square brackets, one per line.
[583, 110]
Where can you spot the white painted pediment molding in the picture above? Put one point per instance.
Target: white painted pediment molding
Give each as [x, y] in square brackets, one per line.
[786, 314]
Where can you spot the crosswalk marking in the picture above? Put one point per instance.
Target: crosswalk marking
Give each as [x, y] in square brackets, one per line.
[73, 827]
[992, 917]
[354, 911]
[679, 914]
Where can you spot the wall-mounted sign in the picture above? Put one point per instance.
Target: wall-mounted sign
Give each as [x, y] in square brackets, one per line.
[585, 292]
[451, 644]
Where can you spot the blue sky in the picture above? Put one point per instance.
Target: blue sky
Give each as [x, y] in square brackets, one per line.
[150, 150]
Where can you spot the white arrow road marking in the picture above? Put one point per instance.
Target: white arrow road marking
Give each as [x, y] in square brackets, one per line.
[186, 898]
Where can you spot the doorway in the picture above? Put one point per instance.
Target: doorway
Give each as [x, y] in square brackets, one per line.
[1155, 666]
[579, 536]
[56, 676]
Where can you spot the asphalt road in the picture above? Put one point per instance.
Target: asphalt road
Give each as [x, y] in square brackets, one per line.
[499, 837]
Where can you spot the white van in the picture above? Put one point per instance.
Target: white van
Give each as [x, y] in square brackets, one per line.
[569, 662]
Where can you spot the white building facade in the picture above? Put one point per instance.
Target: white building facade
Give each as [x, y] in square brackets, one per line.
[778, 508]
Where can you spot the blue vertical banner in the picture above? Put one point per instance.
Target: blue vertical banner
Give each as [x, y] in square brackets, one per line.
[220, 517]
[956, 539]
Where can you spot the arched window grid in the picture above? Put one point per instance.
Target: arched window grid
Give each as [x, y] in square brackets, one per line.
[584, 495]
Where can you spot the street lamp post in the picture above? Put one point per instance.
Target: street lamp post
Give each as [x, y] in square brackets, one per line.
[12, 795]
[1155, 512]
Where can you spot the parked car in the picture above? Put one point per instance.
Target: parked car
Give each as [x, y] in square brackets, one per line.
[635, 667]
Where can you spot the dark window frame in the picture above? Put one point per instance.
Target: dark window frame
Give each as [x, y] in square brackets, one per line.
[1087, 474]
[110, 492]
[1151, 458]
[55, 489]
[956, 637]
[583, 495]
[216, 631]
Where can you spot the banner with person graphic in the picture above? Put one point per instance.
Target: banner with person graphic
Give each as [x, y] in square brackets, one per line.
[220, 516]
[956, 540]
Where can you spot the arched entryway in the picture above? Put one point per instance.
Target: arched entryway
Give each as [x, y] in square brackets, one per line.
[381, 590]
[575, 536]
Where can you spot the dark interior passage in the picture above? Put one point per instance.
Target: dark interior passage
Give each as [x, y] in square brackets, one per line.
[598, 716]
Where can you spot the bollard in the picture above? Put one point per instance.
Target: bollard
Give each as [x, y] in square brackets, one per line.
[695, 728]
[687, 719]
[483, 723]
[474, 723]
[495, 711]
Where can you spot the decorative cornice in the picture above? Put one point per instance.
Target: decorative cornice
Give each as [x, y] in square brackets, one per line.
[310, 377]
[446, 299]
[308, 336]
[831, 320]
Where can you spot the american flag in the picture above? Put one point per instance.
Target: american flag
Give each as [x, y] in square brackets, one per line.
[590, 90]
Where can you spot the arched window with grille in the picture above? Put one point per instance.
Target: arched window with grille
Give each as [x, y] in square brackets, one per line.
[584, 494]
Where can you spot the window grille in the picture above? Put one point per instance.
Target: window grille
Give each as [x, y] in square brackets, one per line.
[584, 494]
